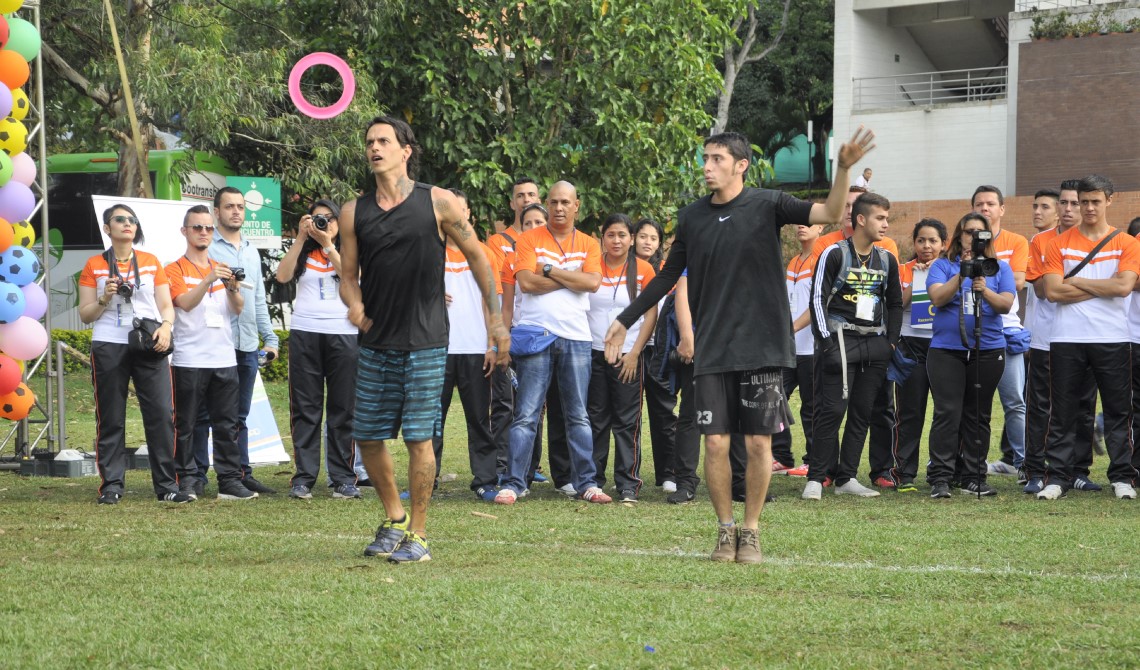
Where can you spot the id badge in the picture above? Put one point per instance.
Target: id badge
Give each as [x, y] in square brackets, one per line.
[967, 303]
[865, 308]
[214, 317]
[792, 302]
[328, 288]
[124, 314]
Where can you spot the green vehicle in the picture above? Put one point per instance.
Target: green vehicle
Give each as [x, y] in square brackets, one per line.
[75, 229]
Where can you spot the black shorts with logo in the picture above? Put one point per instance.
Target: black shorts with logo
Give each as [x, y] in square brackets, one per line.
[749, 402]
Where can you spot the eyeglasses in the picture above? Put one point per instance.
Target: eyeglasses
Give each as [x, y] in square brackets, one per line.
[125, 220]
[199, 228]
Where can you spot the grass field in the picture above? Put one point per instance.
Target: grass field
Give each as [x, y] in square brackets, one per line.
[899, 581]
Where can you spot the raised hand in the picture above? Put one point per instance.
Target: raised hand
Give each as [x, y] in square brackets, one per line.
[853, 151]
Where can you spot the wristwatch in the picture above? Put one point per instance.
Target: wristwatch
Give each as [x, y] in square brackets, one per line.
[546, 269]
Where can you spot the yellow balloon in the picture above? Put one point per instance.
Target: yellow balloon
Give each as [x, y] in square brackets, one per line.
[10, 5]
[13, 135]
[25, 234]
[20, 103]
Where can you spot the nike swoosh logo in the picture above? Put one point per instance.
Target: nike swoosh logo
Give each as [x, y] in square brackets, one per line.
[725, 218]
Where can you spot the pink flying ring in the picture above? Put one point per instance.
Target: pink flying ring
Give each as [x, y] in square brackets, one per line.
[335, 62]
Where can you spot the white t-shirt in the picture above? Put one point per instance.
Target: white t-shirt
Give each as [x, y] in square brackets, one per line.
[468, 331]
[202, 337]
[611, 299]
[318, 308]
[799, 299]
[118, 318]
[562, 312]
[1099, 320]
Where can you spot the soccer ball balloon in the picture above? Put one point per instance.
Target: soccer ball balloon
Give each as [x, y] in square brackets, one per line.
[19, 266]
[23, 234]
[20, 104]
[13, 136]
[12, 302]
[17, 404]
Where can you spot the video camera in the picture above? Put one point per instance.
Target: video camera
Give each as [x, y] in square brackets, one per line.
[979, 266]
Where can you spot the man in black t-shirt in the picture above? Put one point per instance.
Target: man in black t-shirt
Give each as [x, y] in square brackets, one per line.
[730, 241]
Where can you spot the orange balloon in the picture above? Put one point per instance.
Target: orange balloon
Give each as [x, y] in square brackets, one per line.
[7, 234]
[17, 404]
[14, 69]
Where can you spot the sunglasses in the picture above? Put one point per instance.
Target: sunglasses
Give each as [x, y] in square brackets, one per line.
[199, 228]
[128, 220]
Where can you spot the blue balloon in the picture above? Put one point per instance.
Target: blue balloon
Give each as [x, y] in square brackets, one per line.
[19, 266]
[12, 302]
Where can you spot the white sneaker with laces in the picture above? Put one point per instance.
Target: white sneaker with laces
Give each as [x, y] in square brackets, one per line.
[1000, 468]
[669, 486]
[854, 488]
[1124, 490]
[567, 490]
[813, 491]
[1051, 492]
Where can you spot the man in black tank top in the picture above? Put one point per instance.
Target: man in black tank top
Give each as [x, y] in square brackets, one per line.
[392, 260]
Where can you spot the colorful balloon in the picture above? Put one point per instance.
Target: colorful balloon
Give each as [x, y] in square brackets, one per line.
[23, 38]
[23, 339]
[35, 300]
[17, 404]
[6, 168]
[9, 6]
[6, 101]
[12, 302]
[23, 235]
[20, 104]
[6, 235]
[13, 135]
[23, 168]
[14, 69]
[19, 266]
[3, 32]
[17, 202]
[10, 374]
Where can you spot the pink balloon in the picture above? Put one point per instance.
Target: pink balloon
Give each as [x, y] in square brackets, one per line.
[335, 62]
[24, 339]
[16, 201]
[36, 301]
[23, 169]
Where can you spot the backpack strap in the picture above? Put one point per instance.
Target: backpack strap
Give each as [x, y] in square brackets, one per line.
[513, 241]
[1092, 254]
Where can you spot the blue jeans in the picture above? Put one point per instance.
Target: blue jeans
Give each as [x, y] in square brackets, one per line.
[247, 375]
[1011, 390]
[569, 361]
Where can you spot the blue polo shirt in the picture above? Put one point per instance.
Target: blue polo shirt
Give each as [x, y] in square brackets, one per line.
[946, 332]
[252, 325]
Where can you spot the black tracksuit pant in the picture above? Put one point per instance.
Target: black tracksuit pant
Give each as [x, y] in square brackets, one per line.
[960, 431]
[884, 437]
[217, 390]
[660, 402]
[828, 457]
[910, 410]
[802, 377]
[1037, 416]
[614, 408]
[465, 372]
[687, 454]
[502, 412]
[1111, 366]
[317, 361]
[112, 367]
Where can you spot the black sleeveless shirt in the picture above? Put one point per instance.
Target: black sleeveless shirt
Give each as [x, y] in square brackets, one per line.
[401, 273]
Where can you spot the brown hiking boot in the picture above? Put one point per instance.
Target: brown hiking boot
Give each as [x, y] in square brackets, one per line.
[725, 544]
[748, 546]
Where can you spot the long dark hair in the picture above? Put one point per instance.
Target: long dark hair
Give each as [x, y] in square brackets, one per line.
[619, 219]
[311, 244]
[655, 259]
[955, 251]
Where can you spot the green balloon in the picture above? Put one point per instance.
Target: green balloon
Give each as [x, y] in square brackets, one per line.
[23, 38]
[6, 168]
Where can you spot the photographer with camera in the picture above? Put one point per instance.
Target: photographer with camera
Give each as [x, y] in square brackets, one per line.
[231, 248]
[970, 290]
[117, 287]
[322, 354]
[205, 373]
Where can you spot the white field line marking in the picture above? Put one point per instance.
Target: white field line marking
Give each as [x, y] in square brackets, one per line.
[780, 561]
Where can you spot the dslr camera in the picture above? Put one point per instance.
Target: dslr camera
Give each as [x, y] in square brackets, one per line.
[320, 222]
[124, 290]
[979, 266]
[239, 274]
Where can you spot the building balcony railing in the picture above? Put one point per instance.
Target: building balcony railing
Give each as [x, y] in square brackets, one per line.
[1042, 5]
[924, 89]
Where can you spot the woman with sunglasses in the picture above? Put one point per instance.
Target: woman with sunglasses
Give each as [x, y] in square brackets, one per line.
[964, 372]
[322, 353]
[115, 287]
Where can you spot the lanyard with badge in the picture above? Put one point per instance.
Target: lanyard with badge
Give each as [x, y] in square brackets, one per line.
[214, 317]
[124, 309]
[615, 309]
[327, 287]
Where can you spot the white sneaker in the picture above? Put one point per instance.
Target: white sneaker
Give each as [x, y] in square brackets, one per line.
[1051, 492]
[567, 490]
[669, 486]
[1124, 490]
[1000, 468]
[813, 491]
[854, 488]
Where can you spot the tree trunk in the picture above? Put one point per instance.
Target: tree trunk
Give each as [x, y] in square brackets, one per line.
[131, 173]
[724, 101]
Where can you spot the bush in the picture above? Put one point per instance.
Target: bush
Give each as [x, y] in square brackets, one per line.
[278, 370]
